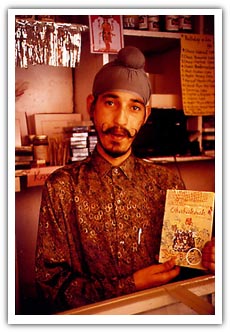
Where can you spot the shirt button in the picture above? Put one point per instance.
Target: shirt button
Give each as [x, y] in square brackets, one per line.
[115, 171]
[118, 201]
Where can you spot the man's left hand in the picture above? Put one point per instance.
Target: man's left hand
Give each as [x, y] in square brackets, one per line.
[208, 256]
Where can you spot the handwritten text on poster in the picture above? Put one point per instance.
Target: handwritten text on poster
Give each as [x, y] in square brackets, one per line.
[197, 74]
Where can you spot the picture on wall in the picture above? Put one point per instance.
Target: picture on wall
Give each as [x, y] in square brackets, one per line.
[106, 33]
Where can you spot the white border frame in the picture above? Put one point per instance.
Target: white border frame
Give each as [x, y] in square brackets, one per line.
[20, 319]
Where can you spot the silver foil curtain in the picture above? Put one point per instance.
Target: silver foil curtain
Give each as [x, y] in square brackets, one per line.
[49, 43]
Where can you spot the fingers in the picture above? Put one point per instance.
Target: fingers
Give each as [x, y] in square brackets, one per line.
[210, 245]
[165, 277]
[209, 266]
[156, 275]
[166, 266]
[208, 256]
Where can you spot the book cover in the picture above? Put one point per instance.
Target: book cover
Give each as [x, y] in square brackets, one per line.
[187, 226]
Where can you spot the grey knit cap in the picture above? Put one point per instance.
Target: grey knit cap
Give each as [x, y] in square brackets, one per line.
[124, 73]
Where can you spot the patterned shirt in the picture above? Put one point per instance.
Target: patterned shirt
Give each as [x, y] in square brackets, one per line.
[98, 225]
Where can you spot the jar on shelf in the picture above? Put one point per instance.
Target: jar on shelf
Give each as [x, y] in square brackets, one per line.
[31, 139]
[143, 22]
[172, 23]
[185, 23]
[154, 23]
[41, 149]
[130, 21]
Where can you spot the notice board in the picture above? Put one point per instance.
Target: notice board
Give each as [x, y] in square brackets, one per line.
[197, 67]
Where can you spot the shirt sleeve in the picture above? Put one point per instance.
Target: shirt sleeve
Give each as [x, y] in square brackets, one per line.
[62, 277]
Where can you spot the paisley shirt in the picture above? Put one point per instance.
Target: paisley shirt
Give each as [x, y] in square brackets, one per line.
[98, 225]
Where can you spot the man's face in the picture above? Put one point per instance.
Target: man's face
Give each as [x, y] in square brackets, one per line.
[117, 117]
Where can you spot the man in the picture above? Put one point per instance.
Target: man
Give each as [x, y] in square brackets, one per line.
[100, 219]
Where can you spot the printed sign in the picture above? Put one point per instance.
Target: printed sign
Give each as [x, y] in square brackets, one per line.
[106, 35]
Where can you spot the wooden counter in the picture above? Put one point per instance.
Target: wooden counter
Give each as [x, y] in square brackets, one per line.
[190, 297]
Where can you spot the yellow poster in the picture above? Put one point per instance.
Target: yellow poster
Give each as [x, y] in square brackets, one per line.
[197, 66]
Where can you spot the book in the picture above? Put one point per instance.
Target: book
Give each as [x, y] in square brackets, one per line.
[24, 150]
[187, 226]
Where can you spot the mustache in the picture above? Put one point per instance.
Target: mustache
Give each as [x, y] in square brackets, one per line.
[118, 130]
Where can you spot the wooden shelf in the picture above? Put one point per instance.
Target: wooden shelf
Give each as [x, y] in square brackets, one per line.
[152, 42]
[155, 34]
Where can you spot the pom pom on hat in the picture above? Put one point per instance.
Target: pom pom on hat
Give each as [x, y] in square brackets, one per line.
[125, 73]
[132, 57]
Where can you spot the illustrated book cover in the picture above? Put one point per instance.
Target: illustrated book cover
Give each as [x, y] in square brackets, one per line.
[187, 226]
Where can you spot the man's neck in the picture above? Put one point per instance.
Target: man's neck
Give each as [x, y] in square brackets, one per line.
[112, 160]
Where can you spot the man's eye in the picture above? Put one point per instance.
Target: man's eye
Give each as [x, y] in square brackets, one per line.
[136, 108]
[109, 103]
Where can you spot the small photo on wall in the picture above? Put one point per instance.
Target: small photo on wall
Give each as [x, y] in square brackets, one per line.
[106, 33]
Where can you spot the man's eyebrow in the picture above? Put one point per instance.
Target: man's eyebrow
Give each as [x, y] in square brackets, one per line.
[112, 95]
[138, 101]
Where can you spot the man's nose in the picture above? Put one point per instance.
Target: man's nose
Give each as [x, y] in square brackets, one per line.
[121, 116]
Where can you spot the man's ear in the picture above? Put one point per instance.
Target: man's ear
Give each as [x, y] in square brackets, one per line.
[89, 102]
[147, 112]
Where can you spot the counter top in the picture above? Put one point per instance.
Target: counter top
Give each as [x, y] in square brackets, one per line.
[164, 300]
[34, 176]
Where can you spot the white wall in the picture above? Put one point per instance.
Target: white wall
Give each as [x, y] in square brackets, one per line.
[47, 90]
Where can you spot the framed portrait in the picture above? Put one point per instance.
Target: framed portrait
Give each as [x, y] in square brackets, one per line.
[106, 33]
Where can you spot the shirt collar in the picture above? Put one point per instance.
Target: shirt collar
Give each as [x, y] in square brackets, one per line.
[104, 167]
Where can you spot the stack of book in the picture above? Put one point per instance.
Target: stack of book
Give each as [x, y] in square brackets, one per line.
[208, 135]
[23, 157]
[82, 140]
[78, 143]
[92, 139]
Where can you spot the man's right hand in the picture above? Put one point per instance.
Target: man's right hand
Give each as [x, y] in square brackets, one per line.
[156, 275]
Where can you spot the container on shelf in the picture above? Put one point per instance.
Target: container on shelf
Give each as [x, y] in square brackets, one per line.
[185, 23]
[41, 149]
[130, 22]
[154, 23]
[172, 23]
[143, 22]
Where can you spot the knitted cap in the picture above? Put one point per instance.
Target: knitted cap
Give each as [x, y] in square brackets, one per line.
[125, 73]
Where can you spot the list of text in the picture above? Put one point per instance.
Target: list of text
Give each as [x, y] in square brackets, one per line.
[197, 67]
